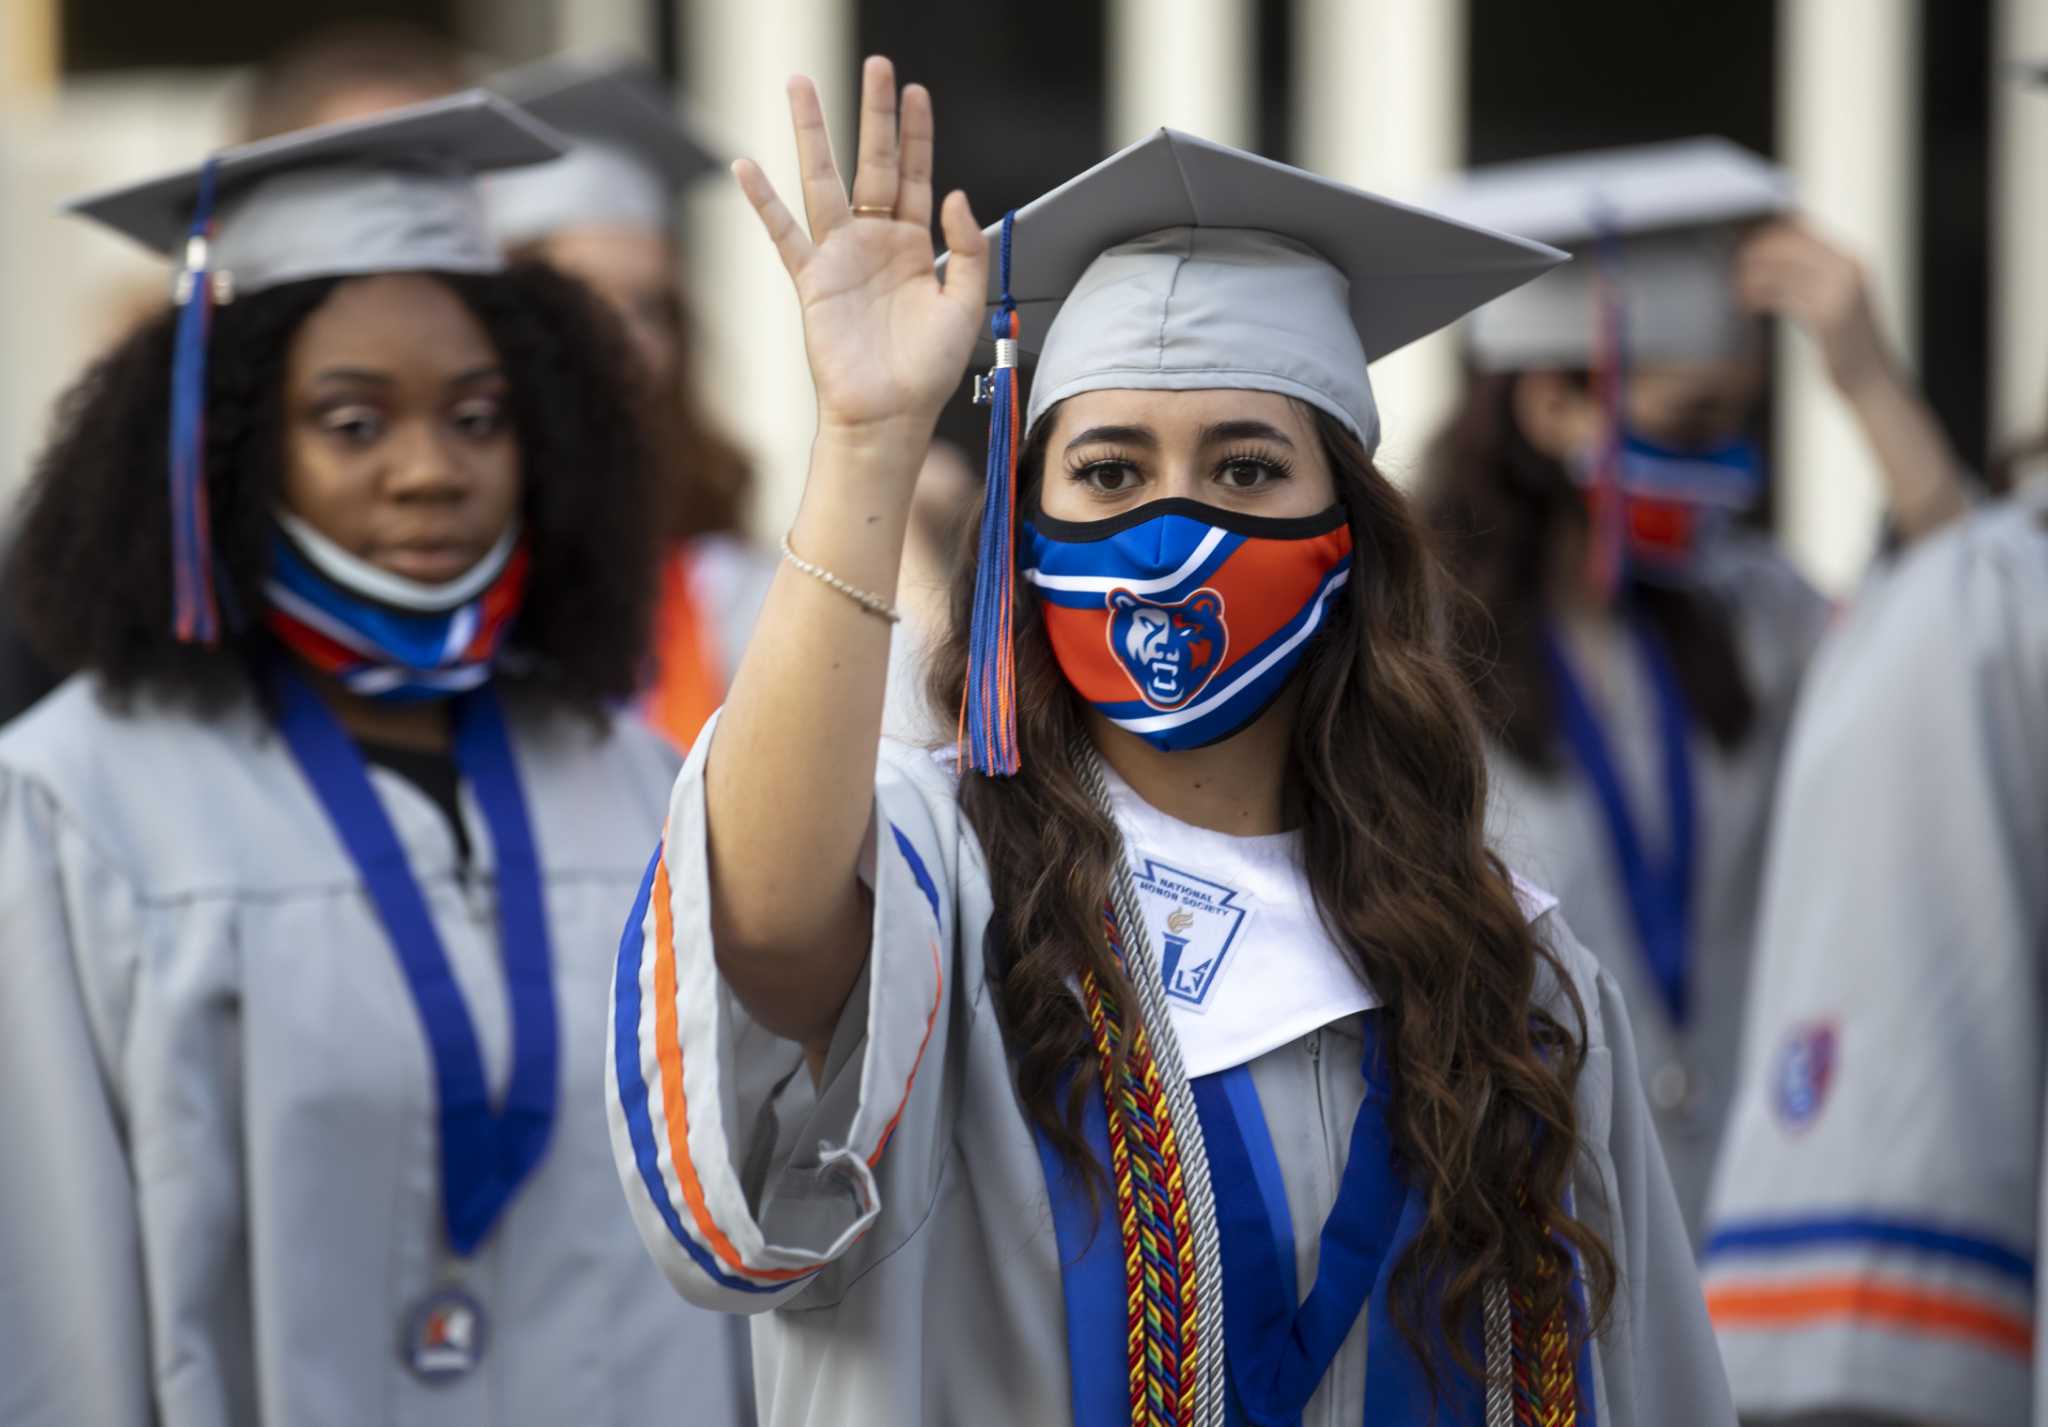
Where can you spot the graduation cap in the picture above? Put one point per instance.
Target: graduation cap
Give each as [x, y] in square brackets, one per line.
[1659, 222]
[392, 193]
[1179, 264]
[631, 153]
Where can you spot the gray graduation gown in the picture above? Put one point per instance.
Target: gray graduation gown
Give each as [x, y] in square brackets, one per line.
[1552, 829]
[219, 1177]
[1876, 1215]
[895, 1231]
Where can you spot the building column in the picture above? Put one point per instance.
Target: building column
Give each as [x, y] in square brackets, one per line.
[596, 26]
[2019, 250]
[30, 41]
[1849, 128]
[735, 61]
[1181, 64]
[1379, 102]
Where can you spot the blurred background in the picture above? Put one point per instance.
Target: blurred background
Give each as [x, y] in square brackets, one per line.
[1911, 142]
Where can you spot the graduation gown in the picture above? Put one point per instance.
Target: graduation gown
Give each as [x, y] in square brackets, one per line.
[1876, 1215]
[894, 1230]
[1551, 827]
[221, 1171]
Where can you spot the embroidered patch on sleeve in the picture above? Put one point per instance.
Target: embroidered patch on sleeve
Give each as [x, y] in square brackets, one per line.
[1803, 1071]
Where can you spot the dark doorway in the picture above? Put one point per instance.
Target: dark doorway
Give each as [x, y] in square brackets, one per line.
[1019, 95]
[123, 34]
[1598, 73]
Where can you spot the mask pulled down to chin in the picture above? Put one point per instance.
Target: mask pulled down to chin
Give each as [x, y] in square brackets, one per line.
[385, 637]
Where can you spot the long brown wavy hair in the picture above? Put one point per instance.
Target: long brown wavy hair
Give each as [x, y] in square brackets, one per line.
[1387, 783]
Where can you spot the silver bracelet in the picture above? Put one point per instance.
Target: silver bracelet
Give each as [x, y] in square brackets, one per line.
[873, 604]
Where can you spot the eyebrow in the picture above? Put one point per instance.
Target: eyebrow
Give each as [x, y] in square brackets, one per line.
[1244, 431]
[358, 375]
[363, 376]
[1128, 435]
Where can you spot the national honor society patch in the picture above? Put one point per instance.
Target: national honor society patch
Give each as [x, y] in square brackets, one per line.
[1195, 922]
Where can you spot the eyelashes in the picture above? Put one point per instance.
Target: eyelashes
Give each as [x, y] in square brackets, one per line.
[1269, 463]
[1268, 460]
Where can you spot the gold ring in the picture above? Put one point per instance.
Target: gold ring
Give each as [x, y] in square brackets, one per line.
[873, 210]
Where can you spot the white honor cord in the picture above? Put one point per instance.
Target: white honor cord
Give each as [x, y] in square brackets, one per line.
[1143, 969]
[1500, 1347]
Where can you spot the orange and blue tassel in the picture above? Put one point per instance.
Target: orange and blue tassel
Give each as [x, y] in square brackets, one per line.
[195, 613]
[988, 709]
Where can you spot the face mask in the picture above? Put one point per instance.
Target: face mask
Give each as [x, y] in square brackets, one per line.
[382, 635]
[1675, 501]
[1181, 622]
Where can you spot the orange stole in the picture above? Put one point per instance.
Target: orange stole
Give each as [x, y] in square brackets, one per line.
[689, 667]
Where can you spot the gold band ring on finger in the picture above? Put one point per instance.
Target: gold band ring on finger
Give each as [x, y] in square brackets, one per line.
[873, 210]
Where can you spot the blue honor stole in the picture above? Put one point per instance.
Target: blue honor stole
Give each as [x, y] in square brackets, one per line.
[1659, 890]
[486, 1152]
[1278, 1345]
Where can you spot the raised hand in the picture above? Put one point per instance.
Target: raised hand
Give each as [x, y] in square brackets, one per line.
[887, 344]
[1788, 270]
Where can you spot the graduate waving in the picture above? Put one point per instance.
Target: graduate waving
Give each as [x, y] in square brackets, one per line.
[1180, 1053]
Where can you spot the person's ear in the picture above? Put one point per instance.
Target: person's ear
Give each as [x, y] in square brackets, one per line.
[1556, 415]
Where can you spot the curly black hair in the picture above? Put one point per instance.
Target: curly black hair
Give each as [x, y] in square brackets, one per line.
[91, 566]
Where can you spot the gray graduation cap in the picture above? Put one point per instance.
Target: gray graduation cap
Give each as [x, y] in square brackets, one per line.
[395, 192]
[1181, 264]
[631, 152]
[1658, 221]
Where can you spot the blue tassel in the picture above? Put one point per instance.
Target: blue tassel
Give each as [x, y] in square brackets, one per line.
[195, 616]
[988, 709]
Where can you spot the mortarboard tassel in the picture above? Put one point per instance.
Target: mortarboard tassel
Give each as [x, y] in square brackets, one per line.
[988, 706]
[1608, 546]
[195, 616]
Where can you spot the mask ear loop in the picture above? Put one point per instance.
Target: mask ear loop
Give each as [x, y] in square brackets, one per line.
[988, 705]
[1607, 550]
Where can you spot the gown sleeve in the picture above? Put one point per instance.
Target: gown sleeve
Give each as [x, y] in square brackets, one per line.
[749, 1187]
[1658, 1359]
[1872, 1239]
[72, 1291]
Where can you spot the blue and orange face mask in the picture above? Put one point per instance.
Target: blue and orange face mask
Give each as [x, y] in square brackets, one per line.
[1182, 622]
[1673, 501]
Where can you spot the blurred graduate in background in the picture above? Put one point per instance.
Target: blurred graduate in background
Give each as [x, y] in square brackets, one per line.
[336, 73]
[309, 878]
[1635, 641]
[605, 215]
[1879, 1209]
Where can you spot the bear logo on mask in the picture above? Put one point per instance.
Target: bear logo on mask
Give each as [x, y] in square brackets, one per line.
[1169, 651]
